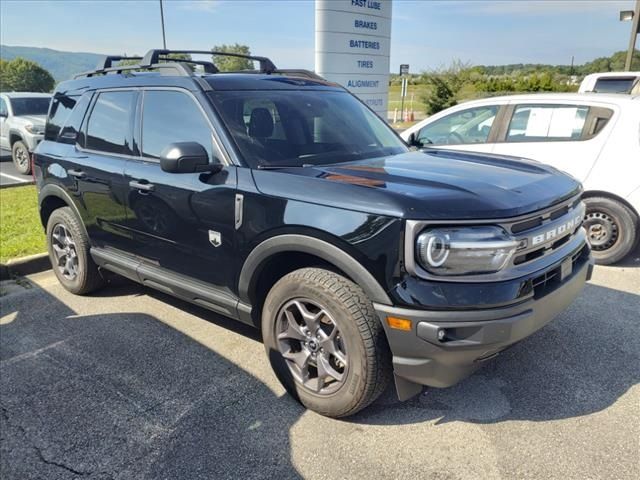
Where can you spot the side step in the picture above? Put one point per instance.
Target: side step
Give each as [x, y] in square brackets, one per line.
[180, 286]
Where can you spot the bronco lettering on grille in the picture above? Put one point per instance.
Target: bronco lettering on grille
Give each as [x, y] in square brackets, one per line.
[556, 232]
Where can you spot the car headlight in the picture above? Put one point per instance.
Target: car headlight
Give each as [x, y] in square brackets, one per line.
[465, 250]
[35, 129]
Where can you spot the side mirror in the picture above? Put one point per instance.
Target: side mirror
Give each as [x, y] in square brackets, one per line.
[4, 114]
[413, 141]
[187, 157]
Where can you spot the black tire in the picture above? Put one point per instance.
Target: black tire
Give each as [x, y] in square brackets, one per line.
[87, 278]
[611, 229]
[21, 157]
[368, 359]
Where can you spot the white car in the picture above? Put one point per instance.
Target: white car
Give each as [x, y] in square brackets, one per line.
[594, 137]
[611, 82]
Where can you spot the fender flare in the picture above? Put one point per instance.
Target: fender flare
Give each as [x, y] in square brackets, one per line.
[52, 190]
[313, 246]
[17, 133]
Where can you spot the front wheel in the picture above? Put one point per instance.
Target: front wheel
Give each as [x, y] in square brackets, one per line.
[324, 342]
[611, 229]
[20, 156]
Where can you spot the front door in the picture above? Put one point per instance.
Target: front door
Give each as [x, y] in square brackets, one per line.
[183, 223]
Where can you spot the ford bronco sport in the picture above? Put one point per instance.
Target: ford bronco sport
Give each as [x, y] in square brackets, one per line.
[281, 200]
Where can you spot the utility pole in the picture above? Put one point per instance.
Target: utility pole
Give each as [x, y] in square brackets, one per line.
[635, 30]
[164, 39]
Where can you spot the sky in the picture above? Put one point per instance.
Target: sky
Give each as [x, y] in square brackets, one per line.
[425, 34]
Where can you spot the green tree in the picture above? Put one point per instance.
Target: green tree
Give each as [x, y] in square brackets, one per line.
[20, 75]
[231, 64]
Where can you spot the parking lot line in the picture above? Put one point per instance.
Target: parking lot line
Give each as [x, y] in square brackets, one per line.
[11, 177]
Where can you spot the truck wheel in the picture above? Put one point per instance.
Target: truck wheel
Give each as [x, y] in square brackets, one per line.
[611, 229]
[324, 342]
[68, 247]
[20, 155]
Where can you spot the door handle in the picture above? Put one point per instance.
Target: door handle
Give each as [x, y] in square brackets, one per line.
[142, 185]
[77, 173]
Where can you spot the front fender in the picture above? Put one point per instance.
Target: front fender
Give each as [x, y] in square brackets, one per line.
[312, 246]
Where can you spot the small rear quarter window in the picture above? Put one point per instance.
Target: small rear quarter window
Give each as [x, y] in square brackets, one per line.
[61, 107]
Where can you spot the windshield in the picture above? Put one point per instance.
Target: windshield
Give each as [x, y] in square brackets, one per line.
[297, 128]
[30, 106]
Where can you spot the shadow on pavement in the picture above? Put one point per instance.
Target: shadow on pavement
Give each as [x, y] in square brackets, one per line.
[124, 395]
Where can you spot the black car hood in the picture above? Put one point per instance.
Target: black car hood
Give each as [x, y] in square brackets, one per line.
[434, 184]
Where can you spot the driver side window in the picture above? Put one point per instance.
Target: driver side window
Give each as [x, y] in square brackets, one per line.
[467, 126]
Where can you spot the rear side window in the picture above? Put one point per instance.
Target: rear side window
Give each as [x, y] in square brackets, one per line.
[543, 123]
[614, 85]
[3, 108]
[71, 129]
[61, 107]
[171, 117]
[109, 125]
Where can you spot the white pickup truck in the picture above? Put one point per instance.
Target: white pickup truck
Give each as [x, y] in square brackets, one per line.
[22, 118]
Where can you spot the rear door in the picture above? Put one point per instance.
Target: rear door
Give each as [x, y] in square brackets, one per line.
[568, 136]
[104, 146]
[181, 222]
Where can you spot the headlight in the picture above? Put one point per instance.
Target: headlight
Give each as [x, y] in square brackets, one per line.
[35, 129]
[465, 250]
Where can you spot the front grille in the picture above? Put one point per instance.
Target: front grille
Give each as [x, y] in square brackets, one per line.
[551, 278]
[547, 231]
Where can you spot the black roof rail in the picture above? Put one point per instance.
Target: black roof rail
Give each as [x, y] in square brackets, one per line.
[177, 68]
[107, 62]
[153, 57]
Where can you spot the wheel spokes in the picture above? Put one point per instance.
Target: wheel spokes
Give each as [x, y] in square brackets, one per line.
[309, 340]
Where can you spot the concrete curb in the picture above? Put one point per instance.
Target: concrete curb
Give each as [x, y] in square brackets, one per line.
[25, 265]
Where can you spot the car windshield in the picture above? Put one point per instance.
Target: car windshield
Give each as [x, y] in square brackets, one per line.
[30, 106]
[298, 128]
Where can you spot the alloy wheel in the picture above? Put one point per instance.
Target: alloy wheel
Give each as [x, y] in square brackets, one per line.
[22, 158]
[65, 252]
[309, 339]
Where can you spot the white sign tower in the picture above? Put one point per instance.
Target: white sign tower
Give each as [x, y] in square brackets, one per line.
[353, 39]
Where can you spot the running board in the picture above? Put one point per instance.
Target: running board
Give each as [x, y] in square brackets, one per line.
[177, 285]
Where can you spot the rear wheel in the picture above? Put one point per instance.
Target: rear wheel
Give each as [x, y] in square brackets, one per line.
[68, 247]
[611, 229]
[325, 342]
[20, 156]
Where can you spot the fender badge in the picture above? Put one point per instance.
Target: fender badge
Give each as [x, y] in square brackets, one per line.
[215, 238]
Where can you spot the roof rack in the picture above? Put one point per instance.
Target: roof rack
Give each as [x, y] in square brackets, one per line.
[154, 56]
[107, 62]
[159, 60]
[178, 68]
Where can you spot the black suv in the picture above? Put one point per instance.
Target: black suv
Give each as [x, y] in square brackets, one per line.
[279, 199]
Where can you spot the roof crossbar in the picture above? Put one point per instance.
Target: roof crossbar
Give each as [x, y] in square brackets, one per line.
[154, 56]
[107, 62]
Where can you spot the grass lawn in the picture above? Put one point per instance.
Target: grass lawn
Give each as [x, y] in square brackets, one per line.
[20, 230]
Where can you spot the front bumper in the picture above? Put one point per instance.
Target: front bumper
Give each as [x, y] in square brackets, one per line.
[421, 357]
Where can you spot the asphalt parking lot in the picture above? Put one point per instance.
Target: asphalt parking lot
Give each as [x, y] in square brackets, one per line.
[8, 173]
[132, 384]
